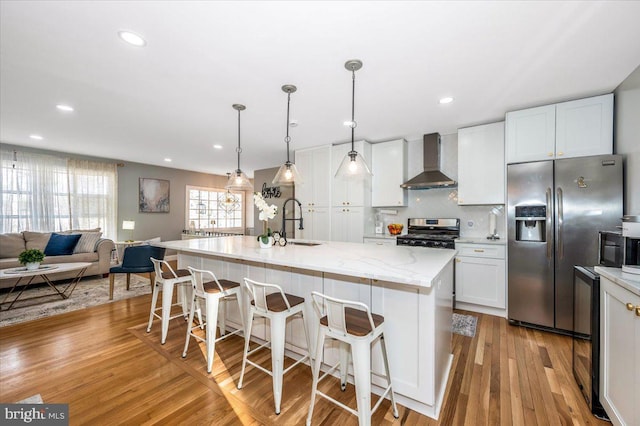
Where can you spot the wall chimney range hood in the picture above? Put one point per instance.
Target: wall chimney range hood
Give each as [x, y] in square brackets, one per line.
[431, 177]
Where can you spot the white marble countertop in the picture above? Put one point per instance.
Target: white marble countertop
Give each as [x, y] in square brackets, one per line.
[629, 281]
[478, 240]
[402, 264]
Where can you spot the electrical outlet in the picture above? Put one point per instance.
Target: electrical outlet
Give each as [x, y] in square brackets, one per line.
[470, 223]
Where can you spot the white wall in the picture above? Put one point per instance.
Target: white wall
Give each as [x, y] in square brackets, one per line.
[627, 138]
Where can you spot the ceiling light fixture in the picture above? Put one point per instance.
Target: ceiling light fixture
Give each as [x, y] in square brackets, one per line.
[132, 38]
[168, 160]
[446, 100]
[65, 108]
[36, 137]
[216, 146]
[238, 181]
[353, 165]
[288, 172]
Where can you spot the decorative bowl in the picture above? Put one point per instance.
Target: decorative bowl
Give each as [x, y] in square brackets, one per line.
[395, 228]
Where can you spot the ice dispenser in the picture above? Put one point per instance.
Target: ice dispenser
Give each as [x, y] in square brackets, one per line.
[530, 223]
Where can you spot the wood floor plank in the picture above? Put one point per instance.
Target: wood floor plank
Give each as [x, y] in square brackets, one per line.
[109, 370]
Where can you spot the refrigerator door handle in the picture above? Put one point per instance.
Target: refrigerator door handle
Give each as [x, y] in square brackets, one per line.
[560, 223]
[548, 236]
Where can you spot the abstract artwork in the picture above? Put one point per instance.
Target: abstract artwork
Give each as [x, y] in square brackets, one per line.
[154, 196]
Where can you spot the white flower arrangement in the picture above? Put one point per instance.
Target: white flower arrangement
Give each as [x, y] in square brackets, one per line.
[266, 212]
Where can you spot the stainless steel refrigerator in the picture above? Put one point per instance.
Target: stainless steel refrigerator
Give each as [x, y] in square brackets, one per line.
[555, 210]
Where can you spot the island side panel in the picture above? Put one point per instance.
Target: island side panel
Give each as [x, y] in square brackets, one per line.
[443, 344]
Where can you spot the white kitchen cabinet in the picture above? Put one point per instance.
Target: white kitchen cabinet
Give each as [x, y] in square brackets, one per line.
[314, 165]
[569, 129]
[389, 168]
[619, 353]
[347, 224]
[317, 224]
[380, 241]
[481, 177]
[480, 283]
[350, 192]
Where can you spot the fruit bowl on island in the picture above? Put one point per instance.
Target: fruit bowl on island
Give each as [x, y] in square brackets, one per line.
[395, 228]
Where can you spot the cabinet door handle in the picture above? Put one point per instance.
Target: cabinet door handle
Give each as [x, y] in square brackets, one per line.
[630, 306]
[550, 154]
[560, 153]
[458, 260]
[638, 311]
[380, 244]
[478, 250]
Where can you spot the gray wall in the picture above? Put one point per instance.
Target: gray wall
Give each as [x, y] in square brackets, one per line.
[167, 226]
[627, 137]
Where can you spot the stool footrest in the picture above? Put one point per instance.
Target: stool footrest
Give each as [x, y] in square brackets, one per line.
[338, 403]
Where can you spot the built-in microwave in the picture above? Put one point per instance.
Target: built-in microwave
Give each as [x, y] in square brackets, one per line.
[610, 248]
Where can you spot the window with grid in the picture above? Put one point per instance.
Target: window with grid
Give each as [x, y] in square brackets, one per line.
[213, 209]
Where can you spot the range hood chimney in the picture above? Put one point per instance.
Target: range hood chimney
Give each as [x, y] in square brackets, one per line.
[431, 177]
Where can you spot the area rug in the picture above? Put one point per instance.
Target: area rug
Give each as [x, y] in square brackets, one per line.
[91, 291]
[464, 324]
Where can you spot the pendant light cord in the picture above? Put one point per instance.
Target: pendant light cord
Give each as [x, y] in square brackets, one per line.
[287, 139]
[239, 150]
[353, 108]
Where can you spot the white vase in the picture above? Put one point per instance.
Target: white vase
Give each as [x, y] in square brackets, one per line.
[32, 266]
[266, 245]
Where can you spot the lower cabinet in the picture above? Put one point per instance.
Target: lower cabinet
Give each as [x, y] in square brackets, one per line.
[380, 241]
[619, 353]
[347, 224]
[480, 283]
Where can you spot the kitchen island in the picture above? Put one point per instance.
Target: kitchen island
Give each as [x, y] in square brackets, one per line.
[410, 286]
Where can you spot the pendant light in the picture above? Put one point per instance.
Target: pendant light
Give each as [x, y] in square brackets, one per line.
[288, 172]
[353, 165]
[238, 181]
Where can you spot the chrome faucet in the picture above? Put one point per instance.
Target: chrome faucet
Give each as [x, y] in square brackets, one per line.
[283, 232]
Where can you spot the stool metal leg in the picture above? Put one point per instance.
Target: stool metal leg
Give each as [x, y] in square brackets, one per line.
[361, 356]
[212, 320]
[190, 325]
[278, 329]
[247, 338]
[383, 346]
[344, 364]
[167, 297]
[315, 372]
[154, 301]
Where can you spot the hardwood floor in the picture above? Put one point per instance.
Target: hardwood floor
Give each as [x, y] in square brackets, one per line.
[109, 370]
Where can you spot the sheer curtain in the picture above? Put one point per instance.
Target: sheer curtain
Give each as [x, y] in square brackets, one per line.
[47, 193]
[93, 195]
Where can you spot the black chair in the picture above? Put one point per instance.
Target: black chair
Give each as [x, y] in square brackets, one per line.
[136, 260]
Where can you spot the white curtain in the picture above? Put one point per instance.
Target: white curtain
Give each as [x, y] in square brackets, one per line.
[47, 193]
[93, 195]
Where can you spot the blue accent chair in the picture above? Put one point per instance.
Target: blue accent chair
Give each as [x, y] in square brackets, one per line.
[136, 260]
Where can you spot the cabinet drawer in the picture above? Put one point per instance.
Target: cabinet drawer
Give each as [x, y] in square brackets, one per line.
[481, 250]
[380, 241]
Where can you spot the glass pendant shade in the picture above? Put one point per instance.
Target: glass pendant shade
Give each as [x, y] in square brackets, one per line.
[287, 175]
[238, 181]
[353, 166]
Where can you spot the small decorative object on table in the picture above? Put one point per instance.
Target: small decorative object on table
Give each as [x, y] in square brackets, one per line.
[266, 212]
[31, 259]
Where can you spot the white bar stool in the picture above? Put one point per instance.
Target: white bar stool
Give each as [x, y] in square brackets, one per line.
[269, 301]
[352, 324]
[165, 282]
[212, 292]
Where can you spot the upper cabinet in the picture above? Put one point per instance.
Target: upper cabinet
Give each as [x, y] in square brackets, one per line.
[314, 165]
[570, 129]
[481, 164]
[389, 168]
[350, 192]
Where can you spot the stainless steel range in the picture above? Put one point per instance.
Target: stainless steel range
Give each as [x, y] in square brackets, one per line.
[434, 233]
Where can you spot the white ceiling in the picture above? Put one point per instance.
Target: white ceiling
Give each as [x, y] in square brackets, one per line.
[173, 97]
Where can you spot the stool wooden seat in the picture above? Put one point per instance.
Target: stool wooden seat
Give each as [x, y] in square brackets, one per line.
[269, 301]
[165, 280]
[212, 292]
[356, 328]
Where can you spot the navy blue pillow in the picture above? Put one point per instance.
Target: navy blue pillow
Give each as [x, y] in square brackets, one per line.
[61, 244]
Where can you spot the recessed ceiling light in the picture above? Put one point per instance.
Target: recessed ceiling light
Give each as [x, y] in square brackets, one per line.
[168, 160]
[132, 38]
[65, 108]
[36, 137]
[446, 100]
[216, 146]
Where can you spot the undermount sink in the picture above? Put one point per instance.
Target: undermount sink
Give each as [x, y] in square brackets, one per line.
[304, 243]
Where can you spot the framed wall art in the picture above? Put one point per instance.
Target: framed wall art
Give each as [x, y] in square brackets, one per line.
[154, 196]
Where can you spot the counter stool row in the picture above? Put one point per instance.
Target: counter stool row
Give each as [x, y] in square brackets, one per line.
[351, 323]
